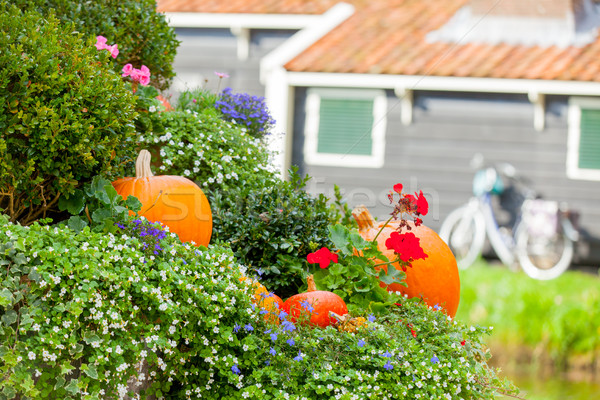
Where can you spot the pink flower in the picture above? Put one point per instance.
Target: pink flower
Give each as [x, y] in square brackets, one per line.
[144, 71]
[127, 69]
[144, 80]
[100, 42]
[323, 257]
[221, 75]
[114, 51]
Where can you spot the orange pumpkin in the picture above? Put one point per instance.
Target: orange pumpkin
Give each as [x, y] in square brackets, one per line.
[267, 301]
[321, 302]
[434, 278]
[175, 201]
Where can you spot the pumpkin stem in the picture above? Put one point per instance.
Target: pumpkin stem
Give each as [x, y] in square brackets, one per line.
[363, 218]
[312, 287]
[142, 165]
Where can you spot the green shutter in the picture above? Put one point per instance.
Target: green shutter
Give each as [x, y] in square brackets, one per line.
[589, 139]
[345, 126]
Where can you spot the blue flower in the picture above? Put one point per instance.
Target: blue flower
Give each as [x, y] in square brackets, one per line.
[298, 357]
[290, 341]
[387, 354]
[267, 331]
[282, 315]
[361, 343]
[236, 328]
[306, 305]
[272, 351]
[435, 360]
[273, 336]
[388, 366]
[371, 318]
[288, 326]
[235, 369]
[248, 327]
[437, 307]
[259, 272]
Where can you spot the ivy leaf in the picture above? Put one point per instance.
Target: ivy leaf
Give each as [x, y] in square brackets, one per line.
[9, 317]
[90, 338]
[90, 370]
[60, 381]
[72, 386]
[6, 297]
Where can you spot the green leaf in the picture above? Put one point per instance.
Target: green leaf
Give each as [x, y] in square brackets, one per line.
[111, 193]
[358, 242]
[9, 317]
[60, 382]
[90, 371]
[6, 297]
[133, 203]
[77, 223]
[101, 214]
[72, 386]
[393, 275]
[74, 203]
[90, 338]
[339, 236]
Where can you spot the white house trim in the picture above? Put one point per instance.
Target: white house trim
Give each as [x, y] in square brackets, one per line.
[247, 21]
[573, 170]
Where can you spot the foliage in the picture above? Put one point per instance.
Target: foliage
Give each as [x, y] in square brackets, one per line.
[272, 227]
[248, 111]
[196, 100]
[84, 312]
[64, 115]
[560, 317]
[202, 147]
[142, 34]
[97, 205]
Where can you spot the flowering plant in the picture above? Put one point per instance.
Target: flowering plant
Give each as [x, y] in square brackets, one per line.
[357, 270]
[249, 111]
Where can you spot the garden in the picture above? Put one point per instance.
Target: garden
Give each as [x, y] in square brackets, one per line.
[150, 251]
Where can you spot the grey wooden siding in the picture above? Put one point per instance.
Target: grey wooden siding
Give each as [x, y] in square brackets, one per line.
[204, 51]
[434, 153]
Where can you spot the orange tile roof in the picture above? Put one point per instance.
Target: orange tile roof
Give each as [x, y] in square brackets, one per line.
[389, 37]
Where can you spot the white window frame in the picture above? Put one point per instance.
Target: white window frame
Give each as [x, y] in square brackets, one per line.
[311, 129]
[574, 115]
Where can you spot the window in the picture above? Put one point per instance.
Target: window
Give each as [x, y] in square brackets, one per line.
[345, 127]
[583, 154]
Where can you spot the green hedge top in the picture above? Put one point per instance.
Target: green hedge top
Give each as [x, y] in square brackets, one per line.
[65, 116]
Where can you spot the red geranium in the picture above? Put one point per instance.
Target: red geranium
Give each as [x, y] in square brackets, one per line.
[406, 245]
[420, 203]
[323, 257]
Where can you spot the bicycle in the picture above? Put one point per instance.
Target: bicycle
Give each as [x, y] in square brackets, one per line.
[539, 236]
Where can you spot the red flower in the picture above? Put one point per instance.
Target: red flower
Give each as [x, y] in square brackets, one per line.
[398, 188]
[463, 342]
[406, 245]
[420, 202]
[323, 257]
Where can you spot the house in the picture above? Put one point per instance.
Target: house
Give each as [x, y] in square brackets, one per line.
[371, 93]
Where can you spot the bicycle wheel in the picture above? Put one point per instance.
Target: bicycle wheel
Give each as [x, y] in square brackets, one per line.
[543, 257]
[464, 232]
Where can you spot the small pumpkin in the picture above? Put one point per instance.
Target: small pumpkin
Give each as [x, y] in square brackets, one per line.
[266, 300]
[175, 201]
[316, 302]
[434, 278]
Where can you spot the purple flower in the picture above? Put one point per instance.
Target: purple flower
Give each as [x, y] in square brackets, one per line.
[290, 341]
[272, 351]
[306, 305]
[236, 328]
[388, 366]
[371, 318]
[273, 337]
[248, 328]
[288, 326]
[245, 109]
[235, 369]
[435, 360]
[298, 357]
[387, 354]
[361, 343]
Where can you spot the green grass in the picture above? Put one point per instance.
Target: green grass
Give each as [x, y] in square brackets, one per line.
[558, 318]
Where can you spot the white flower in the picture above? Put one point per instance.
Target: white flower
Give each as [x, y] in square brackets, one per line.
[152, 109]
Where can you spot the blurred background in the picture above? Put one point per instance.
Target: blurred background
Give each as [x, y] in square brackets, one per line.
[367, 94]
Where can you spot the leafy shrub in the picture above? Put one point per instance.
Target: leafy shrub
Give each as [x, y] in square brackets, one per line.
[84, 313]
[196, 100]
[202, 147]
[64, 115]
[142, 34]
[272, 227]
[246, 110]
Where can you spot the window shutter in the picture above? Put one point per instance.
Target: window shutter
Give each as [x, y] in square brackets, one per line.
[345, 126]
[589, 140]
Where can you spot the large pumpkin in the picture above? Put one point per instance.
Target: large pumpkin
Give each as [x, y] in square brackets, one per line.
[317, 304]
[434, 278]
[175, 201]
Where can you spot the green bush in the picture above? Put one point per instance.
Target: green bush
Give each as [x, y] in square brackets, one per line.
[272, 227]
[142, 34]
[83, 313]
[65, 116]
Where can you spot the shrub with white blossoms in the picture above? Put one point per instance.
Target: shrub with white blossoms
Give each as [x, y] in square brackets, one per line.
[214, 153]
[84, 314]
